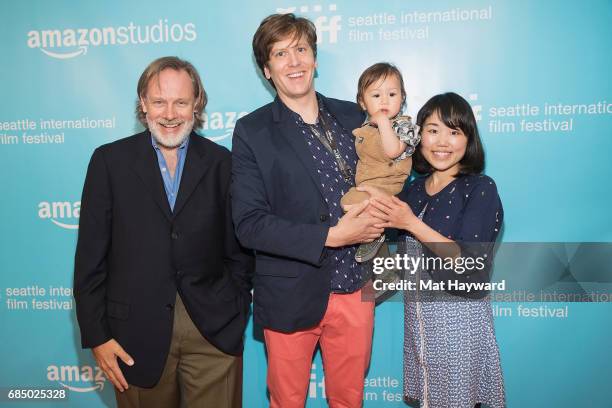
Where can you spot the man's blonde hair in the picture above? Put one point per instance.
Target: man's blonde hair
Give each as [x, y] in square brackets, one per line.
[177, 64]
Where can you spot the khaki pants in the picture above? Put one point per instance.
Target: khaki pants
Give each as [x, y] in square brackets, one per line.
[196, 373]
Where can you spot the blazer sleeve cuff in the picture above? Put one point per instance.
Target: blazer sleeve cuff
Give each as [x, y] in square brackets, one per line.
[320, 251]
[95, 336]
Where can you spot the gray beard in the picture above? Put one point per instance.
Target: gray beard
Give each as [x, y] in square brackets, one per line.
[173, 142]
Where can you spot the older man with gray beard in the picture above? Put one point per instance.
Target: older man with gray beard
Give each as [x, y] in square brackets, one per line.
[162, 287]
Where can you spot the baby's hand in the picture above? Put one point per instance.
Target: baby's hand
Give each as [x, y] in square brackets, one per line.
[380, 117]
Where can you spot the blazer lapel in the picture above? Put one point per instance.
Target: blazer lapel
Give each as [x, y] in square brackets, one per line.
[146, 167]
[194, 168]
[296, 141]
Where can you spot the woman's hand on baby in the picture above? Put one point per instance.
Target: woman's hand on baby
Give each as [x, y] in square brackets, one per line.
[394, 212]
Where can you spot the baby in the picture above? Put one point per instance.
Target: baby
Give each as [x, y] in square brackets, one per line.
[384, 143]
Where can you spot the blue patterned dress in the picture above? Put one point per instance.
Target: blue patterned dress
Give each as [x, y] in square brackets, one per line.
[451, 357]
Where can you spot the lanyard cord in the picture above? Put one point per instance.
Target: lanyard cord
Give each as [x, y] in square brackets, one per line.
[330, 144]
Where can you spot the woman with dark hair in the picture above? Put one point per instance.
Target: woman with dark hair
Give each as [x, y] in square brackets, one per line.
[451, 357]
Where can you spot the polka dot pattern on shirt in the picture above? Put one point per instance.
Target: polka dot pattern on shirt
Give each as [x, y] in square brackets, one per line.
[347, 276]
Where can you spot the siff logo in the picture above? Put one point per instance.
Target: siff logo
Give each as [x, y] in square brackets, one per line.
[66, 376]
[220, 125]
[314, 385]
[329, 24]
[72, 42]
[60, 210]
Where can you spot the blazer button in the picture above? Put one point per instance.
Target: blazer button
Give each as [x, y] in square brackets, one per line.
[174, 235]
[323, 217]
[179, 273]
[169, 306]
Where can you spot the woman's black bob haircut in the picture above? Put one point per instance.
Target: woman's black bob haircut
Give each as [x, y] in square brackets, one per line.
[456, 113]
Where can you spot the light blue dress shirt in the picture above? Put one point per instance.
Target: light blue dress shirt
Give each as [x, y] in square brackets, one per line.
[171, 184]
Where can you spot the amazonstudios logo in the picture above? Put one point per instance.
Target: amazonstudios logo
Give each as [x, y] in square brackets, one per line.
[220, 125]
[66, 43]
[77, 378]
[64, 214]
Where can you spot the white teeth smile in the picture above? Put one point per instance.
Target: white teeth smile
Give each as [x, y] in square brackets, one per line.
[296, 75]
[442, 154]
[170, 126]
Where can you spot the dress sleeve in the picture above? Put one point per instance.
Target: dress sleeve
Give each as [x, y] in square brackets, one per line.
[482, 219]
[483, 213]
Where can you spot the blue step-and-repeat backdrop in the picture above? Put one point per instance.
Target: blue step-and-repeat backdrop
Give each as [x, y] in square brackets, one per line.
[537, 74]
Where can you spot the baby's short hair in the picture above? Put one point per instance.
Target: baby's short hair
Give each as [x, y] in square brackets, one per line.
[376, 72]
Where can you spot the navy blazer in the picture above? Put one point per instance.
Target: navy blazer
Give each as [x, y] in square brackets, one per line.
[134, 254]
[279, 211]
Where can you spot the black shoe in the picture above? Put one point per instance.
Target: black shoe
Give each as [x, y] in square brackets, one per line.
[365, 252]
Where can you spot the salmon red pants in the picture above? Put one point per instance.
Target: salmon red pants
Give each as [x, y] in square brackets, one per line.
[345, 336]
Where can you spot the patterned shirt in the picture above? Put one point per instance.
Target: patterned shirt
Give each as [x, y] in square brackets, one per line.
[348, 275]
